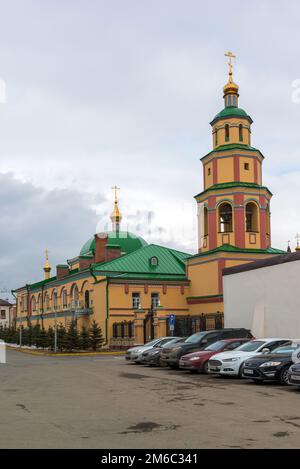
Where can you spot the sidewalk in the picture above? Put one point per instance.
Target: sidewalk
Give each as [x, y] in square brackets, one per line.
[48, 353]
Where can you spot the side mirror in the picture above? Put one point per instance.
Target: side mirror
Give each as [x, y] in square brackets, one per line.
[265, 350]
[204, 341]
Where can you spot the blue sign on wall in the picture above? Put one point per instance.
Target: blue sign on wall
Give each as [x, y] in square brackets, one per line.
[172, 319]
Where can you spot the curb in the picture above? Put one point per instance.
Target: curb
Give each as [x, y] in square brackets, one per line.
[75, 354]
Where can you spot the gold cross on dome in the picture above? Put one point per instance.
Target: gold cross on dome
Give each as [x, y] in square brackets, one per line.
[115, 189]
[47, 254]
[230, 56]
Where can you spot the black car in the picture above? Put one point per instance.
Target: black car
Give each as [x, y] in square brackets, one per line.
[294, 374]
[271, 366]
[152, 357]
[171, 354]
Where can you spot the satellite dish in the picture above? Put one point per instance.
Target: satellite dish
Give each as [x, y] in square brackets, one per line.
[296, 355]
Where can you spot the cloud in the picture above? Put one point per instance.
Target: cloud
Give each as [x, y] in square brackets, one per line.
[123, 93]
[33, 219]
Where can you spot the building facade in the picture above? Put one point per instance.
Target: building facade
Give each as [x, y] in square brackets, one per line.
[6, 313]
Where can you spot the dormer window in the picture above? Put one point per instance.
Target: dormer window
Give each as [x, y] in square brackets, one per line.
[154, 261]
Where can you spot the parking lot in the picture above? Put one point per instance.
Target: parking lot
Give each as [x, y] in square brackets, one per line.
[104, 402]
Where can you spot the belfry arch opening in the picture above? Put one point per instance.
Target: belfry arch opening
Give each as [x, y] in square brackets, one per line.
[252, 217]
[225, 218]
[226, 133]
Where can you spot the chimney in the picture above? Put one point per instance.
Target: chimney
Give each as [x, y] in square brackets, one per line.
[62, 271]
[100, 247]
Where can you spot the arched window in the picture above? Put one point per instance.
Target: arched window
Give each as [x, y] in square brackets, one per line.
[240, 133]
[251, 217]
[40, 302]
[216, 137]
[75, 296]
[87, 299]
[55, 300]
[33, 304]
[225, 218]
[47, 302]
[205, 221]
[64, 298]
[226, 133]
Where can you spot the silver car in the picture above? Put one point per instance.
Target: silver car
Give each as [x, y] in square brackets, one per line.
[134, 354]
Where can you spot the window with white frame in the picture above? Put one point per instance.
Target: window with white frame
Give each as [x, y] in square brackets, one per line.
[136, 300]
[155, 300]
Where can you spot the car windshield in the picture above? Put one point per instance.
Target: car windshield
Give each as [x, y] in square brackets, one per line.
[251, 346]
[153, 342]
[286, 349]
[193, 339]
[216, 346]
[171, 341]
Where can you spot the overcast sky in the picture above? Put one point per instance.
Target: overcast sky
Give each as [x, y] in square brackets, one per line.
[122, 92]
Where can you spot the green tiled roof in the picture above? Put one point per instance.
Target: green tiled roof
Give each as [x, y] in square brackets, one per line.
[128, 242]
[229, 185]
[232, 146]
[230, 248]
[137, 264]
[231, 111]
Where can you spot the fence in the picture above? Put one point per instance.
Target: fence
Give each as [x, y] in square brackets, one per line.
[187, 325]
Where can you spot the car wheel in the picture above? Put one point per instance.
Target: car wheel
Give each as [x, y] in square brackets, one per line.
[240, 373]
[205, 368]
[283, 377]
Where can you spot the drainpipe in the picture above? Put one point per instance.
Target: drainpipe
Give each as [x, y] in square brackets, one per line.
[13, 292]
[107, 305]
[28, 304]
[42, 313]
[107, 311]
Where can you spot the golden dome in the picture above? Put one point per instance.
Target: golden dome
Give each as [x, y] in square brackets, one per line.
[231, 87]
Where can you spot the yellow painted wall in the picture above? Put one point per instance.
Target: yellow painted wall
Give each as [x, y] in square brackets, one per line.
[225, 170]
[203, 278]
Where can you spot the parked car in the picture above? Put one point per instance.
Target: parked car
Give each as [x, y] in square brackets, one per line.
[135, 354]
[152, 357]
[198, 361]
[294, 374]
[171, 355]
[272, 366]
[231, 363]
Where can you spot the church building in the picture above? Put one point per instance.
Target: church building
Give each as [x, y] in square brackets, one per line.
[130, 287]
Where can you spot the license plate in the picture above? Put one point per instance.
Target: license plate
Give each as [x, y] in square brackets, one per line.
[295, 377]
[247, 371]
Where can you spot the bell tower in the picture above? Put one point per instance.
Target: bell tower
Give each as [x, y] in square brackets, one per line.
[234, 206]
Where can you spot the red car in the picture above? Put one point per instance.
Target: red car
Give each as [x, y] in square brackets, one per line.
[197, 361]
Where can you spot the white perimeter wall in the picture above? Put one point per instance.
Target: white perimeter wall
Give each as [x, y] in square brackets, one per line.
[265, 300]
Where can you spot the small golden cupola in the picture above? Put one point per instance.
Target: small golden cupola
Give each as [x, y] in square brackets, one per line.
[47, 266]
[116, 216]
[231, 89]
[232, 125]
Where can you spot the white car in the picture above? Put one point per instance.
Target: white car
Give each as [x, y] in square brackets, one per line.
[135, 353]
[231, 363]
